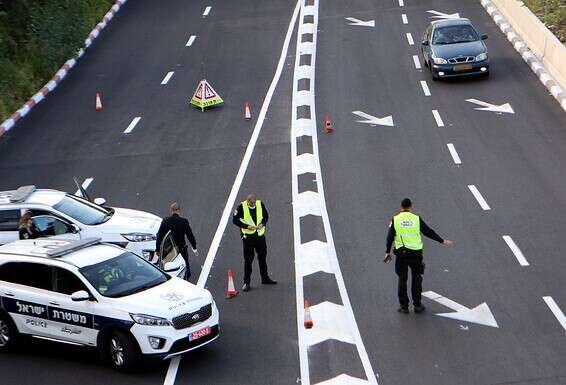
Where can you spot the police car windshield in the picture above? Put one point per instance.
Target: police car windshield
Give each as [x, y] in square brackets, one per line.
[82, 210]
[123, 275]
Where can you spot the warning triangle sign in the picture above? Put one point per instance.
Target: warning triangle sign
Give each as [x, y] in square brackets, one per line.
[205, 96]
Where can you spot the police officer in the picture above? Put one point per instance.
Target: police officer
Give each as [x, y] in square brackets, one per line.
[180, 229]
[251, 217]
[405, 231]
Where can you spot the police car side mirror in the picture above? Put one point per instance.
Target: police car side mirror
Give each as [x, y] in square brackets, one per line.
[484, 37]
[79, 296]
[74, 228]
[100, 201]
[170, 267]
[425, 42]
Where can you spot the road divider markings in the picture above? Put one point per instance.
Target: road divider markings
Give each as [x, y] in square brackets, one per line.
[410, 39]
[442, 15]
[516, 251]
[404, 18]
[207, 10]
[417, 62]
[167, 78]
[132, 125]
[190, 41]
[84, 185]
[425, 88]
[438, 119]
[556, 311]
[454, 153]
[476, 193]
[401, 3]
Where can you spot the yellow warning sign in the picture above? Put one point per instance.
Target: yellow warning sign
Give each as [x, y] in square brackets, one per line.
[205, 96]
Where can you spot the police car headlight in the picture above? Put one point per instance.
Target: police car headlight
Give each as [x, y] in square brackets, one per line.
[481, 56]
[139, 237]
[148, 320]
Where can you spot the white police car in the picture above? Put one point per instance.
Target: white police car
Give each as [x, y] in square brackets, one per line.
[65, 216]
[96, 294]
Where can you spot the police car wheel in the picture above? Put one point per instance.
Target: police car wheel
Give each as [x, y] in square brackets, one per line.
[122, 351]
[8, 333]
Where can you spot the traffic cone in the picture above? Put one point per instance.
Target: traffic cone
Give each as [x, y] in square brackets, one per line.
[247, 111]
[328, 124]
[231, 289]
[308, 320]
[98, 102]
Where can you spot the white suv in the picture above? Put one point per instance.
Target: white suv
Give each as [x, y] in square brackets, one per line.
[94, 294]
[65, 216]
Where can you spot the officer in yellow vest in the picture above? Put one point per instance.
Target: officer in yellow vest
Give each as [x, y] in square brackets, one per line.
[405, 231]
[251, 217]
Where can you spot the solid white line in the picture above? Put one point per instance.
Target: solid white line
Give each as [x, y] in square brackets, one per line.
[207, 11]
[190, 41]
[84, 185]
[172, 371]
[410, 39]
[425, 88]
[417, 62]
[556, 311]
[132, 125]
[454, 154]
[401, 3]
[516, 251]
[479, 197]
[167, 78]
[438, 119]
[404, 18]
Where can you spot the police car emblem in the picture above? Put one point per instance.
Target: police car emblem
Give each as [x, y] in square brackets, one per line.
[172, 296]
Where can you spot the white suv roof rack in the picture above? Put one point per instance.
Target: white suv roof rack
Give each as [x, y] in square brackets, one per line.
[47, 248]
[19, 195]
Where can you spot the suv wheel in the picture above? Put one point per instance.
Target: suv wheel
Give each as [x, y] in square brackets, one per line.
[122, 351]
[8, 333]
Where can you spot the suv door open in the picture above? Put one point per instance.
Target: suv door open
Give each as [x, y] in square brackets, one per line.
[168, 253]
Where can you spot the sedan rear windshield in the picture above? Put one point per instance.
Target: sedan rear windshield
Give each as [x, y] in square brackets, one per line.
[454, 34]
[82, 210]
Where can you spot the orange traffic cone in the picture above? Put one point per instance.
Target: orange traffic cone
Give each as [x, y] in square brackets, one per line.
[328, 124]
[247, 111]
[308, 320]
[98, 102]
[231, 289]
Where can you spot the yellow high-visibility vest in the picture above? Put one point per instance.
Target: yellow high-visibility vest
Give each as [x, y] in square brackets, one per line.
[248, 220]
[407, 231]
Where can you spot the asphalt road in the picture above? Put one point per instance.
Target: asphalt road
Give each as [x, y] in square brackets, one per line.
[176, 152]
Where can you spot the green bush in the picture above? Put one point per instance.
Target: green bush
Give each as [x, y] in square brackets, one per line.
[36, 38]
[552, 13]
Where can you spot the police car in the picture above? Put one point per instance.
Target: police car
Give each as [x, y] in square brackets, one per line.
[65, 216]
[90, 293]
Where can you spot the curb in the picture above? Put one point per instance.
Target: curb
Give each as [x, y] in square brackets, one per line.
[520, 46]
[61, 73]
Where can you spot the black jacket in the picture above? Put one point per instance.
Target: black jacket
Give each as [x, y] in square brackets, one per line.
[239, 214]
[179, 227]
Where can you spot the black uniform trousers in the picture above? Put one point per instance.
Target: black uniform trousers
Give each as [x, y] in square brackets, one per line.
[184, 250]
[405, 259]
[255, 244]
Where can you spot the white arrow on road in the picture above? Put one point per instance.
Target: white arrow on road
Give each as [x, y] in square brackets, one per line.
[480, 314]
[504, 108]
[361, 23]
[386, 121]
[440, 15]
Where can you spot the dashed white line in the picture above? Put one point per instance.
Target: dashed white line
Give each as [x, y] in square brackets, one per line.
[410, 39]
[84, 185]
[454, 153]
[401, 3]
[417, 62]
[167, 78]
[476, 193]
[425, 88]
[556, 311]
[516, 251]
[132, 125]
[404, 18]
[207, 11]
[438, 119]
[190, 41]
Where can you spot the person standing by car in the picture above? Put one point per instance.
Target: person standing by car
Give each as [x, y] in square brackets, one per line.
[27, 228]
[180, 228]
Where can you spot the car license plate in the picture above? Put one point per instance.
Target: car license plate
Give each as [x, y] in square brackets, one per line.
[462, 67]
[200, 333]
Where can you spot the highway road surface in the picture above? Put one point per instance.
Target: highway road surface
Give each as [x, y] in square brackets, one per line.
[491, 180]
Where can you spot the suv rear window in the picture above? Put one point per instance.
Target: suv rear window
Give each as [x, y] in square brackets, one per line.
[9, 220]
[27, 274]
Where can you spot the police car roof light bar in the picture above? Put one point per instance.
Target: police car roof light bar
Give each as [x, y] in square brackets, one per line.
[22, 193]
[72, 246]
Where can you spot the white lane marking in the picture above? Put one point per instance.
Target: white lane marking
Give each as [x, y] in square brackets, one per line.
[503, 108]
[207, 10]
[410, 39]
[404, 18]
[516, 251]
[401, 3]
[555, 310]
[425, 88]
[84, 185]
[479, 197]
[417, 62]
[454, 154]
[438, 119]
[190, 41]
[172, 371]
[132, 125]
[373, 120]
[167, 77]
